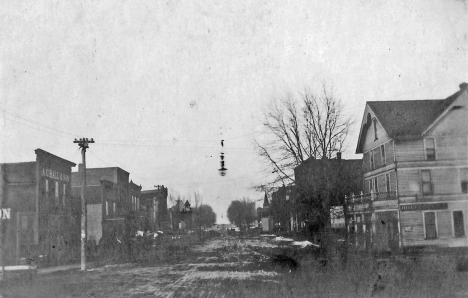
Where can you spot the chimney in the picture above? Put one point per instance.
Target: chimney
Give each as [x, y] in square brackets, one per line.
[462, 86]
[338, 155]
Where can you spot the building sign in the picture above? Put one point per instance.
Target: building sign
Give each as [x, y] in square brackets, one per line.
[418, 207]
[5, 213]
[55, 175]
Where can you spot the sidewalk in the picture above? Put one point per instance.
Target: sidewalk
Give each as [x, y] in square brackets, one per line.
[62, 268]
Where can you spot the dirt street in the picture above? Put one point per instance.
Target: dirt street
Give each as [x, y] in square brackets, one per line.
[227, 266]
[221, 267]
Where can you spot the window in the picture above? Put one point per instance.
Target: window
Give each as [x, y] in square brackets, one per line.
[458, 224]
[372, 165]
[375, 187]
[430, 149]
[47, 186]
[430, 227]
[382, 153]
[107, 208]
[57, 189]
[64, 194]
[375, 129]
[426, 182]
[464, 186]
[387, 182]
[113, 207]
[464, 180]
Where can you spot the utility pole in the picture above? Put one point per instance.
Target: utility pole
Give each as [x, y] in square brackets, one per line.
[2, 236]
[83, 143]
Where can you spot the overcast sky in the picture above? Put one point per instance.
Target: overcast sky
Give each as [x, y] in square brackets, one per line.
[158, 84]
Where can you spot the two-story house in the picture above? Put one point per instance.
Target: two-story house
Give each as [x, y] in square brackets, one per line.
[416, 171]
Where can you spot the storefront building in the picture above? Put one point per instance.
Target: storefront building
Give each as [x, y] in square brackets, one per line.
[36, 210]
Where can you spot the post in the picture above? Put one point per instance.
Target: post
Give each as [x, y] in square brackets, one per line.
[83, 144]
[2, 244]
[84, 231]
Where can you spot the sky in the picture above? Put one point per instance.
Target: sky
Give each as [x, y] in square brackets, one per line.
[158, 84]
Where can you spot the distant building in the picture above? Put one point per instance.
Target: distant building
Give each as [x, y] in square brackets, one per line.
[283, 209]
[321, 185]
[263, 216]
[110, 200]
[36, 209]
[155, 201]
[415, 171]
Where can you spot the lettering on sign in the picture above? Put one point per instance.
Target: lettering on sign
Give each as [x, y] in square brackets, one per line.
[5, 213]
[55, 175]
[434, 206]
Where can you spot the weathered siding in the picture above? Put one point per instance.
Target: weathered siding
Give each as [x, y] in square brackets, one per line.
[408, 182]
[370, 141]
[445, 181]
[444, 224]
[389, 152]
[456, 121]
[410, 151]
[451, 147]
[412, 227]
[366, 162]
[393, 181]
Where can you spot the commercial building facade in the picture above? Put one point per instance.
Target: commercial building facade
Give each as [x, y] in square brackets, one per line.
[36, 210]
[110, 198]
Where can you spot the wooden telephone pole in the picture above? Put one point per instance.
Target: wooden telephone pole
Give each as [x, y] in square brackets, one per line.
[83, 144]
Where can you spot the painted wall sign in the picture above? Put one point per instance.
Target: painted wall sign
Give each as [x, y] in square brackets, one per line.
[5, 213]
[55, 175]
[434, 206]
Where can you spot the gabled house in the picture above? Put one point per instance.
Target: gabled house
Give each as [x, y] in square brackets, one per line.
[416, 171]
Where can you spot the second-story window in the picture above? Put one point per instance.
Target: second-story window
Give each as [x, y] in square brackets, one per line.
[372, 164]
[426, 182]
[64, 194]
[430, 149]
[464, 180]
[387, 182]
[382, 154]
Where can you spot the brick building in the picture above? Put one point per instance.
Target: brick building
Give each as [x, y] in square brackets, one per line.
[37, 197]
[111, 201]
[155, 202]
[322, 184]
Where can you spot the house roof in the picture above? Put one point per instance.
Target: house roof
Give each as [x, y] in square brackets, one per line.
[409, 118]
[405, 118]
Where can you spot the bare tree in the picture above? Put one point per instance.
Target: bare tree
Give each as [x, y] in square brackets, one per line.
[300, 127]
[241, 212]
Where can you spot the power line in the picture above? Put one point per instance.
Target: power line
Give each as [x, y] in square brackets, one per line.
[37, 123]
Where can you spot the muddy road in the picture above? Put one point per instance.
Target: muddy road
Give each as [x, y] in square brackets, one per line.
[220, 267]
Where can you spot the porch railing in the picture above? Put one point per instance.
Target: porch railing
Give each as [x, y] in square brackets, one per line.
[369, 197]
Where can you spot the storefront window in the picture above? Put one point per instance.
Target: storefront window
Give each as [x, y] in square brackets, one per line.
[458, 224]
[430, 225]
